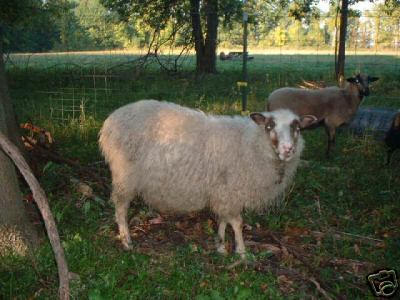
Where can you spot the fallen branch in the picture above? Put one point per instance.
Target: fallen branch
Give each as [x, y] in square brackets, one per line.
[236, 263]
[300, 258]
[346, 235]
[319, 288]
[269, 265]
[51, 155]
[38, 194]
[273, 267]
[284, 249]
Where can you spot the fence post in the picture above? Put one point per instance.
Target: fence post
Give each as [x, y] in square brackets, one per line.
[342, 41]
[244, 87]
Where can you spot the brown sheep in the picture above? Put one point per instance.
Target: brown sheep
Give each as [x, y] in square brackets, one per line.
[333, 106]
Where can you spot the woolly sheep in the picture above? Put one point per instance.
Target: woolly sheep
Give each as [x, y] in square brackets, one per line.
[333, 106]
[181, 160]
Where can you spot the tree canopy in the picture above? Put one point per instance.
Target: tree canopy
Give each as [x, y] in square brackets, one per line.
[35, 25]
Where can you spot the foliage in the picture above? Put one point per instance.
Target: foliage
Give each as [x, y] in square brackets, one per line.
[27, 25]
[14, 12]
[384, 26]
[104, 24]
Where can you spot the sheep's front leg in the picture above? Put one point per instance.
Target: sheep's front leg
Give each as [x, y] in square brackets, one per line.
[236, 224]
[121, 203]
[331, 132]
[221, 238]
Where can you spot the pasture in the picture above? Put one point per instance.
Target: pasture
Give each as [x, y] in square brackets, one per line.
[339, 222]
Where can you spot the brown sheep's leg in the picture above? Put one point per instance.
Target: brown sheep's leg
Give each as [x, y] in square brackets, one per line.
[236, 224]
[121, 202]
[331, 132]
[221, 237]
[389, 155]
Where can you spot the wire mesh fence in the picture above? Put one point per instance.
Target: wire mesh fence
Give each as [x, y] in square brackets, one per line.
[92, 95]
[92, 83]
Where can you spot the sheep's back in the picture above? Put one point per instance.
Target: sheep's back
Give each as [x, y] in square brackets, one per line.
[319, 102]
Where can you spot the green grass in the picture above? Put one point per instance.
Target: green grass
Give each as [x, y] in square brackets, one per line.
[351, 193]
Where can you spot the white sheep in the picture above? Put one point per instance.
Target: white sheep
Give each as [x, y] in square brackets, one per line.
[333, 106]
[181, 160]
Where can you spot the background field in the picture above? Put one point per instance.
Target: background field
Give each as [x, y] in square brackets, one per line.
[340, 217]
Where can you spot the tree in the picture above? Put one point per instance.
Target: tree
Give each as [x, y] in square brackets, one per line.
[342, 41]
[28, 25]
[15, 227]
[340, 8]
[389, 7]
[387, 23]
[205, 46]
[98, 24]
[198, 18]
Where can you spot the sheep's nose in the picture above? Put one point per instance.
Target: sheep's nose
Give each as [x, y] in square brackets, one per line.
[287, 148]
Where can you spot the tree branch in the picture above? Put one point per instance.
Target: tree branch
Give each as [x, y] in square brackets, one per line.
[38, 194]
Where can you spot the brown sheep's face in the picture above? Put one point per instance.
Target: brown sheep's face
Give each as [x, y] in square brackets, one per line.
[362, 82]
[282, 128]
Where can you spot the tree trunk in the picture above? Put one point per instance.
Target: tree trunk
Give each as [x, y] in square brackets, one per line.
[197, 31]
[336, 41]
[211, 7]
[205, 48]
[16, 231]
[12, 125]
[342, 41]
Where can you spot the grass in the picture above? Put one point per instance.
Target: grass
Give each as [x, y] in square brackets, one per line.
[352, 193]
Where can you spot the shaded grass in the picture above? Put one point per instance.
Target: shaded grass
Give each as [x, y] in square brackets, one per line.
[353, 192]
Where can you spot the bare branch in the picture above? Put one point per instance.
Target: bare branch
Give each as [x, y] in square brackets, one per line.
[38, 194]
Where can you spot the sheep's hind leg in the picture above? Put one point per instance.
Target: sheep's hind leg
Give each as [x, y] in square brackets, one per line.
[221, 238]
[236, 224]
[121, 203]
[389, 155]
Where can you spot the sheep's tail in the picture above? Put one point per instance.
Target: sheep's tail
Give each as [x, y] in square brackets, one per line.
[268, 107]
[104, 141]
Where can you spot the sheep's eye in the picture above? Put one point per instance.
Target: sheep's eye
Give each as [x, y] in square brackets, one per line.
[295, 126]
[270, 126]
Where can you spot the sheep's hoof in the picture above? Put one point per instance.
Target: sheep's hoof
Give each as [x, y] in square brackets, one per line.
[242, 255]
[127, 247]
[221, 250]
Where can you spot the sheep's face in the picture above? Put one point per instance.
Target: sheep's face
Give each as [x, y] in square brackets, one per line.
[362, 82]
[282, 128]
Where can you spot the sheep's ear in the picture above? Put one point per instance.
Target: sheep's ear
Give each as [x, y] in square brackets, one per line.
[307, 120]
[352, 79]
[372, 79]
[258, 118]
